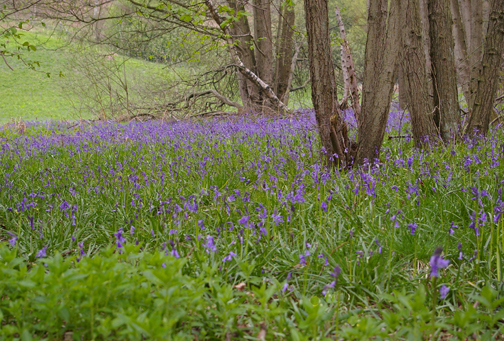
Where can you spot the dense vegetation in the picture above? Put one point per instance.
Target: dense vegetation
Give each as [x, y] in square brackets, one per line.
[148, 230]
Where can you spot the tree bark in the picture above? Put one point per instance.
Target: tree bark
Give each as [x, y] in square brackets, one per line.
[263, 44]
[424, 14]
[284, 52]
[382, 53]
[245, 71]
[465, 15]
[249, 92]
[404, 89]
[414, 73]
[332, 128]
[461, 57]
[489, 80]
[291, 73]
[476, 51]
[347, 66]
[444, 74]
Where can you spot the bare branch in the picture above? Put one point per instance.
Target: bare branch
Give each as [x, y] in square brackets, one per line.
[241, 67]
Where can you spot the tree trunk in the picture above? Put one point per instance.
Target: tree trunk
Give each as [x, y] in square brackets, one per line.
[476, 51]
[347, 66]
[461, 58]
[291, 73]
[489, 80]
[263, 40]
[245, 71]
[446, 114]
[333, 135]
[404, 89]
[465, 14]
[414, 73]
[424, 14]
[249, 92]
[382, 54]
[284, 52]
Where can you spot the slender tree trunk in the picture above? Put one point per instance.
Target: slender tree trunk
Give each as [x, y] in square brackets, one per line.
[444, 74]
[382, 54]
[476, 52]
[247, 73]
[333, 135]
[415, 76]
[373, 56]
[424, 14]
[489, 80]
[461, 57]
[291, 73]
[486, 16]
[263, 44]
[285, 45]
[249, 92]
[347, 66]
[465, 13]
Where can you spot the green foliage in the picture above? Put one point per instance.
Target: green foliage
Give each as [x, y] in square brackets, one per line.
[136, 294]
[382, 290]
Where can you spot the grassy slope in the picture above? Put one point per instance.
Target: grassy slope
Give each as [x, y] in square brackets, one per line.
[32, 95]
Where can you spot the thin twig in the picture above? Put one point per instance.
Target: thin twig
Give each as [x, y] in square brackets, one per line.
[5, 60]
[496, 119]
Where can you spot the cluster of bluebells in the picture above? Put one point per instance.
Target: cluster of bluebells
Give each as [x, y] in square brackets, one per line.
[163, 186]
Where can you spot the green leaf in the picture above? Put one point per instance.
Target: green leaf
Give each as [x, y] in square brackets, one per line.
[26, 283]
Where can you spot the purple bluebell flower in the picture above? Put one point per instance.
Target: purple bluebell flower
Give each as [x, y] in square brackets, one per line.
[437, 262]
[285, 287]
[42, 253]
[379, 246]
[120, 240]
[172, 232]
[13, 240]
[81, 249]
[412, 227]
[201, 224]
[327, 287]
[277, 219]
[336, 272]
[210, 245]
[323, 206]
[175, 253]
[229, 257]
[302, 260]
[452, 227]
[444, 291]
[244, 220]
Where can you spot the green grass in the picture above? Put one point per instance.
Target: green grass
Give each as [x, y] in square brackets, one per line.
[64, 187]
[33, 96]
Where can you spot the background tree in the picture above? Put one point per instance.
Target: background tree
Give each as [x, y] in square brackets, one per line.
[492, 66]
[444, 77]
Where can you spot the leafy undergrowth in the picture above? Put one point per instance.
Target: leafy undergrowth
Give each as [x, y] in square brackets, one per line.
[219, 203]
[134, 295]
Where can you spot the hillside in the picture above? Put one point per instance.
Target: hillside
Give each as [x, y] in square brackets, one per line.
[46, 93]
